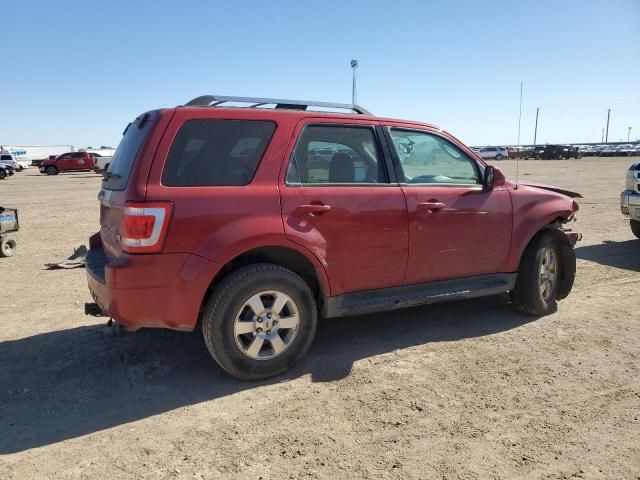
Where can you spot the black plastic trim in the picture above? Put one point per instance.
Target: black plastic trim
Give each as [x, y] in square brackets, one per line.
[393, 298]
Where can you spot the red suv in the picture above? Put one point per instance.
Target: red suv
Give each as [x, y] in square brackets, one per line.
[68, 162]
[253, 222]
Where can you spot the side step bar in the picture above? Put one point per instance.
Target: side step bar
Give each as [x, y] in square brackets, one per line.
[422, 294]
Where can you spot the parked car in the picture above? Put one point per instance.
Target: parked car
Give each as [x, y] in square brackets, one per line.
[68, 162]
[608, 151]
[102, 163]
[551, 152]
[214, 217]
[495, 153]
[627, 150]
[14, 161]
[5, 171]
[630, 198]
[572, 152]
[8, 160]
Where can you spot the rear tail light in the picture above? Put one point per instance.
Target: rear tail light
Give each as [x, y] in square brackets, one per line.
[144, 226]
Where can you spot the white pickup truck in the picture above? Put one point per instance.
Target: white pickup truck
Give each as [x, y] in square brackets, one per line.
[102, 163]
[630, 198]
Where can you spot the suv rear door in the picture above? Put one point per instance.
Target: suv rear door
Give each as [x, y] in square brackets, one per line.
[456, 229]
[341, 202]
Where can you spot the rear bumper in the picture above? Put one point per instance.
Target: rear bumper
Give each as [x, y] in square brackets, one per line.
[630, 204]
[161, 291]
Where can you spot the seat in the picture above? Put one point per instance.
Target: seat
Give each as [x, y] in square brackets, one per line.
[341, 169]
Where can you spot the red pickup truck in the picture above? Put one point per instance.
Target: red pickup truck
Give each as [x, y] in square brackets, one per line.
[68, 162]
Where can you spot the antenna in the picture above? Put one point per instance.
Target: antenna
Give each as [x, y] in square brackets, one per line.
[519, 121]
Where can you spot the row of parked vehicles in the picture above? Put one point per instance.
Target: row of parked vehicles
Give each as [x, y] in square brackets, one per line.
[9, 165]
[558, 152]
[55, 164]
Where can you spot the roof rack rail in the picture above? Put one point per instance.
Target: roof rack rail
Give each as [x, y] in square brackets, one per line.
[215, 100]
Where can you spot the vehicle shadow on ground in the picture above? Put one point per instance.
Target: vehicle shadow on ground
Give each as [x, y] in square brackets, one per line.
[624, 255]
[64, 384]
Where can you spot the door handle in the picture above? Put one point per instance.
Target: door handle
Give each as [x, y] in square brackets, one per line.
[431, 205]
[312, 209]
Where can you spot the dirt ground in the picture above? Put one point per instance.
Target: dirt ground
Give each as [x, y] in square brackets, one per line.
[465, 390]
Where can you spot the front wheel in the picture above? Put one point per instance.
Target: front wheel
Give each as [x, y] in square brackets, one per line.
[259, 321]
[3, 174]
[635, 227]
[20, 168]
[51, 170]
[538, 283]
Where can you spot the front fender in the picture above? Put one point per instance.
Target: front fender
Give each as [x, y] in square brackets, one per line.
[533, 210]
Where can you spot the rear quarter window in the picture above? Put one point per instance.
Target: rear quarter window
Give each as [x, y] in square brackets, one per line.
[214, 152]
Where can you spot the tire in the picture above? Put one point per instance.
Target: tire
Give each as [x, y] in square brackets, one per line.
[51, 170]
[20, 168]
[7, 247]
[635, 227]
[228, 305]
[3, 174]
[499, 157]
[530, 295]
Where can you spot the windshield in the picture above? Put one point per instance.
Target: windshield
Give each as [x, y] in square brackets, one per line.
[125, 155]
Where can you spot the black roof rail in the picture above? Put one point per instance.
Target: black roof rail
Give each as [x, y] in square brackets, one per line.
[216, 100]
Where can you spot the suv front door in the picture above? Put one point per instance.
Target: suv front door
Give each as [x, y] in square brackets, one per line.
[339, 202]
[456, 228]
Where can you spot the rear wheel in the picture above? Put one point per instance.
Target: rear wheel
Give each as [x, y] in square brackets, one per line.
[635, 227]
[7, 247]
[3, 174]
[51, 170]
[259, 321]
[536, 290]
[499, 157]
[20, 168]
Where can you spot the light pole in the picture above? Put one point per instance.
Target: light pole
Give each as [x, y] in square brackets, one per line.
[628, 133]
[535, 132]
[606, 135]
[354, 96]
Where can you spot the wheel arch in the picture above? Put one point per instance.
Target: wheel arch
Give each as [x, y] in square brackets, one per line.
[567, 254]
[290, 257]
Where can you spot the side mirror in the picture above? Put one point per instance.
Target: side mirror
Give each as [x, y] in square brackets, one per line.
[493, 177]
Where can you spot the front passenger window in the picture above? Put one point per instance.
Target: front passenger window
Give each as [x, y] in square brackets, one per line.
[429, 159]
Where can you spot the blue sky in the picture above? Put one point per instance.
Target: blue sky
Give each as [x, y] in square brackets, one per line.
[77, 72]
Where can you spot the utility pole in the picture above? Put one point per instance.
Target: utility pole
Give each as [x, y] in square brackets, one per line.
[520, 114]
[535, 132]
[354, 92]
[606, 136]
[602, 139]
[628, 133]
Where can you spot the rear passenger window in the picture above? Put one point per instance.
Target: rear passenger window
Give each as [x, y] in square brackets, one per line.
[334, 155]
[216, 152]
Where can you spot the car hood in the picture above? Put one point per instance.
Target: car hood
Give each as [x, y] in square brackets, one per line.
[551, 188]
